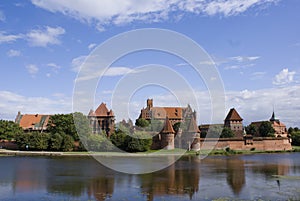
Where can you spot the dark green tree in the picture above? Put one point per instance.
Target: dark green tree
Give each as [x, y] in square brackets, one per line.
[67, 143]
[290, 130]
[9, 130]
[23, 140]
[295, 138]
[56, 141]
[214, 131]
[266, 129]
[251, 129]
[138, 142]
[64, 124]
[227, 133]
[142, 123]
[38, 141]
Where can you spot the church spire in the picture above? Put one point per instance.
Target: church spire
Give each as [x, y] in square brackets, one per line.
[273, 116]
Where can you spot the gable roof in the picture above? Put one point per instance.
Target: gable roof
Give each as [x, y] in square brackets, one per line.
[168, 128]
[233, 115]
[33, 121]
[101, 111]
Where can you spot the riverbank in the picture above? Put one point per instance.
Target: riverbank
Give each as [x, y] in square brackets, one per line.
[176, 152]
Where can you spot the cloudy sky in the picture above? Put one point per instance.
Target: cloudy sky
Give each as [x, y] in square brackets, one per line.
[255, 45]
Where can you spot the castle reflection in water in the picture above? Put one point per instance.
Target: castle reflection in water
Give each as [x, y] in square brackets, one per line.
[85, 178]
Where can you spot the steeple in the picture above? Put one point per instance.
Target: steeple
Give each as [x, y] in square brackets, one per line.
[273, 116]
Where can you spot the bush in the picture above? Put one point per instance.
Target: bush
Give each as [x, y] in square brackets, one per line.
[295, 138]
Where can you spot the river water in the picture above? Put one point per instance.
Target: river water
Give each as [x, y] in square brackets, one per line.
[246, 177]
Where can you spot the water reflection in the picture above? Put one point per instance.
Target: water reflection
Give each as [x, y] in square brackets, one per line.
[242, 177]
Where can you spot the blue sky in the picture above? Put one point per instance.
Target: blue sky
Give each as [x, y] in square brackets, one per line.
[254, 43]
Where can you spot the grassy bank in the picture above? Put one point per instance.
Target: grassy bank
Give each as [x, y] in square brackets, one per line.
[176, 152]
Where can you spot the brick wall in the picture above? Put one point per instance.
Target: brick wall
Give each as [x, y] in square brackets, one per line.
[263, 144]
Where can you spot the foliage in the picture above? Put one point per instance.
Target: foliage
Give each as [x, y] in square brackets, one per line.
[98, 142]
[156, 125]
[142, 122]
[67, 143]
[64, 124]
[227, 133]
[266, 129]
[9, 130]
[33, 141]
[295, 138]
[138, 141]
[56, 141]
[214, 131]
[251, 129]
[203, 134]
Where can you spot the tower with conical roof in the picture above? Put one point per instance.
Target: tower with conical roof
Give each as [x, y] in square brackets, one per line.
[167, 136]
[234, 122]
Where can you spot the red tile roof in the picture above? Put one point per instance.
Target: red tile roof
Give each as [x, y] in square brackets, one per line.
[33, 121]
[168, 128]
[101, 111]
[233, 115]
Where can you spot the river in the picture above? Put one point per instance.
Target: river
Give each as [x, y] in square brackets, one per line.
[247, 177]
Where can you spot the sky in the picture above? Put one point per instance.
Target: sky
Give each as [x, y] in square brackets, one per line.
[254, 44]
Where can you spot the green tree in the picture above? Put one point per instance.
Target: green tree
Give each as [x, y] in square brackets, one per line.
[290, 130]
[266, 129]
[67, 143]
[64, 124]
[22, 140]
[214, 131]
[227, 133]
[9, 130]
[251, 129]
[56, 141]
[138, 142]
[142, 123]
[295, 138]
[38, 141]
[99, 142]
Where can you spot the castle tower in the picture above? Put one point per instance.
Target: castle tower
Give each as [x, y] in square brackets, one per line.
[167, 135]
[234, 122]
[149, 103]
[193, 133]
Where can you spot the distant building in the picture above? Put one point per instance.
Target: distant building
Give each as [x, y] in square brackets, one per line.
[102, 120]
[279, 127]
[234, 121]
[174, 114]
[187, 137]
[32, 122]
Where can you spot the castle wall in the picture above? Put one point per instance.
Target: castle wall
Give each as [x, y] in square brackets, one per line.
[263, 144]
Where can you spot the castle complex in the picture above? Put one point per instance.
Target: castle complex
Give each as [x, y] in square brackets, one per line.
[179, 128]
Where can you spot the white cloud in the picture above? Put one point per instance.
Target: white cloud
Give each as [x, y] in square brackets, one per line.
[284, 77]
[105, 12]
[32, 69]
[54, 66]
[11, 103]
[77, 62]
[244, 59]
[92, 45]
[257, 75]
[45, 37]
[4, 38]
[13, 53]
[2, 16]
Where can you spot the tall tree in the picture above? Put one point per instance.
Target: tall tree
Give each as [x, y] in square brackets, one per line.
[266, 129]
[64, 124]
[9, 130]
[251, 129]
[227, 133]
